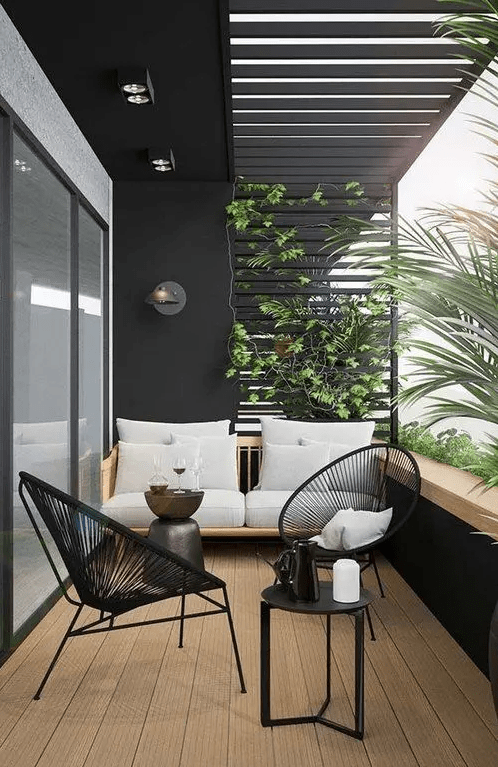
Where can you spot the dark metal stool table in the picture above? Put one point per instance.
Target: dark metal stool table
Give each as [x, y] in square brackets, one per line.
[174, 529]
[276, 597]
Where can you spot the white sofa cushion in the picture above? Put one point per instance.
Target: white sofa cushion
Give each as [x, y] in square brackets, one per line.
[285, 467]
[219, 460]
[153, 432]
[219, 508]
[280, 431]
[336, 449]
[263, 507]
[136, 465]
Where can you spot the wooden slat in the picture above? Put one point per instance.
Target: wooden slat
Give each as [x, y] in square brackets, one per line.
[347, 88]
[163, 733]
[351, 118]
[396, 103]
[460, 720]
[415, 131]
[448, 68]
[379, 51]
[305, 28]
[457, 663]
[354, 6]
[249, 743]
[134, 699]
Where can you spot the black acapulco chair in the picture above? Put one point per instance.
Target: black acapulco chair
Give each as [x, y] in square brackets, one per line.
[113, 569]
[371, 478]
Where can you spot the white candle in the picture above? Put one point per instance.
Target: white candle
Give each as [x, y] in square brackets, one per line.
[346, 583]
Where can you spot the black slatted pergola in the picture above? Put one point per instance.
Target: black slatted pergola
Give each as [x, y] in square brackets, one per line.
[325, 93]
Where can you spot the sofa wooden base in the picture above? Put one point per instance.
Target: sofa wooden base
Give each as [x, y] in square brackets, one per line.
[229, 532]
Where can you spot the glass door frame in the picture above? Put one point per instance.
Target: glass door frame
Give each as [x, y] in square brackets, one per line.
[10, 122]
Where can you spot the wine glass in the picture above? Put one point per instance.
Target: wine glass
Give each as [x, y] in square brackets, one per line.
[179, 466]
[196, 469]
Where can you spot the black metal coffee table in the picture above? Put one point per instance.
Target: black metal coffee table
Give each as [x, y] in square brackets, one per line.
[276, 597]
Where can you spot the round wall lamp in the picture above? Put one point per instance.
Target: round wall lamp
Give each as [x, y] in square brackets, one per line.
[167, 298]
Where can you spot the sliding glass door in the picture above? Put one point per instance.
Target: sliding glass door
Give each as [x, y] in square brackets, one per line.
[53, 365]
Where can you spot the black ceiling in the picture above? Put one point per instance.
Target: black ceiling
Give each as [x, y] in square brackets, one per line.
[80, 46]
[370, 135]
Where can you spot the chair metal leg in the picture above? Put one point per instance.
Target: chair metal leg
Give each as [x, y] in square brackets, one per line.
[182, 621]
[66, 636]
[234, 642]
[374, 563]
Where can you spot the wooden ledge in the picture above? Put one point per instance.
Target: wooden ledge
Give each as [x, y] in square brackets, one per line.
[459, 492]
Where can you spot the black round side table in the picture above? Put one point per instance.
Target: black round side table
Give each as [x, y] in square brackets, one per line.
[174, 529]
[276, 598]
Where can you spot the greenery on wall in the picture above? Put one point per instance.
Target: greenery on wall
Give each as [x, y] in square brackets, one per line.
[450, 446]
[313, 360]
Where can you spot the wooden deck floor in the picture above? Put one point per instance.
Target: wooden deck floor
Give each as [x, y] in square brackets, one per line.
[132, 698]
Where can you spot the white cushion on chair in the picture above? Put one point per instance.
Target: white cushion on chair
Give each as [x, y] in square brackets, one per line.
[219, 508]
[263, 507]
[153, 432]
[349, 529]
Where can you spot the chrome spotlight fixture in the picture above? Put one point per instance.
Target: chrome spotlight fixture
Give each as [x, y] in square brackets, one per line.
[135, 85]
[161, 160]
[167, 298]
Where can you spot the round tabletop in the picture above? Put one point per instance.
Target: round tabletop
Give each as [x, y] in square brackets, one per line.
[277, 596]
[171, 504]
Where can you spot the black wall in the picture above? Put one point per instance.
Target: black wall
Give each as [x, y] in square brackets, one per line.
[453, 571]
[171, 367]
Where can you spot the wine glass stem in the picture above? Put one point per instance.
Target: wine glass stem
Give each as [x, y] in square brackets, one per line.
[179, 483]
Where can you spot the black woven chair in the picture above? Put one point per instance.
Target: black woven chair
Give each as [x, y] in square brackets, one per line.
[371, 478]
[113, 569]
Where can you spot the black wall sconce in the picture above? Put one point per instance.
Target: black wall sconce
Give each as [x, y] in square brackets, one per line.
[161, 160]
[135, 85]
[167, 298]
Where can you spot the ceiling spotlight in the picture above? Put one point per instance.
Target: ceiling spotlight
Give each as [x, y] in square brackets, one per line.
[161, 160]
[135, 85]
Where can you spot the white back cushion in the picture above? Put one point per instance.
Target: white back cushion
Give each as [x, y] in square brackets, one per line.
[153, 432]
[285, 467]
[278, 431]
[219, 460]
[336, 450]
[136, 465]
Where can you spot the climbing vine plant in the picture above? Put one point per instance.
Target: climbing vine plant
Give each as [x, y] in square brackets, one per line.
[321, 354]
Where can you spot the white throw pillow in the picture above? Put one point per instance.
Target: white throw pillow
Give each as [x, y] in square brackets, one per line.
[280, 431]
[153, 432]
[350, 529]
[136, 465]
[336, 450]
[219, 460]
[286, 467]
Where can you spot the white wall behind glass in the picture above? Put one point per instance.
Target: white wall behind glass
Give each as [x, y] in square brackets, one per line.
[450, 170]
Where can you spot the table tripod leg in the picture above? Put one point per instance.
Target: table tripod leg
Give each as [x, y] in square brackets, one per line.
[327, 699]
[359, 686]
[265, 665]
